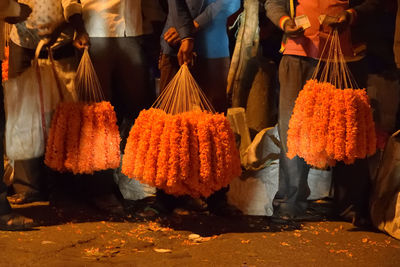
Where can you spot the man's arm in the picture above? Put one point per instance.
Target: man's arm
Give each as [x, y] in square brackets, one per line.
[277, 11]
[73, 15]
[181, 18]
[212, 10]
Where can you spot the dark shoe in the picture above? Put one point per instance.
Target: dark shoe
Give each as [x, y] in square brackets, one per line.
[362, 222]
[15, 222]
[308, 216]
[24, 198]
[109, 204]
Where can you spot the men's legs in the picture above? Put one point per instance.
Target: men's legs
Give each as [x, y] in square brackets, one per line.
[168, 66]
[352, 183]
[211, 75]
[291, 199]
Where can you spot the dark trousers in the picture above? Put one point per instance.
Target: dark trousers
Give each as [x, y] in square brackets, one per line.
[210, 73]
[351, 182]
[124, 74]
[4, 205]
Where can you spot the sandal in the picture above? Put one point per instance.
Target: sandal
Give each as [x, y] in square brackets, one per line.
[15, 222]
[24, 198]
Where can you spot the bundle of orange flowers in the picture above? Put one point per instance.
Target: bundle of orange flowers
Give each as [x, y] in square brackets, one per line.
[330, 125]
[189, 153]
[83, 138]
[4, 64]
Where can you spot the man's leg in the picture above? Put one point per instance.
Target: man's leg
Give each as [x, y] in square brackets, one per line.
[352, 183]
[211, 75]
[291, 199]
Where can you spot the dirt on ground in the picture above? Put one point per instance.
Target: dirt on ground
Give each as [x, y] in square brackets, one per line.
[75, 234]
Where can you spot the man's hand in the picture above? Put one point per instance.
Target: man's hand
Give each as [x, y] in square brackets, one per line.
[171, 36]
[51, 35]
[24, 13]
[81, 40]
[185, 54]
[342, 21]
[292, 30]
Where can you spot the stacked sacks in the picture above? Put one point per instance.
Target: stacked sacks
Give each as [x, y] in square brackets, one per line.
[189, 153]
[83, 138]
[330, 125]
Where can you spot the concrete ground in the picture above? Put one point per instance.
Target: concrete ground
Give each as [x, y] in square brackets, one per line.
[77, 235]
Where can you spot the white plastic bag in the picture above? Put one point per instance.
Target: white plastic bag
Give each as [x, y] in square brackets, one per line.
[29, 102]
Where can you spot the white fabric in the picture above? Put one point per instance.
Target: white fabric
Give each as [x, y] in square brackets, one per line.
[24, 132]
[254, 192]
[113, 18]
[45, 17]
[8, 8]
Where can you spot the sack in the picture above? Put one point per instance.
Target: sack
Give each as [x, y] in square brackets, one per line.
[254, 192]
[29, 102]
[385, 201]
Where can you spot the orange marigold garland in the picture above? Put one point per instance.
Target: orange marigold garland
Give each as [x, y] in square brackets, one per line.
[175, 137]
[56, 155]
[341, 128]
[194, 163]
[5, 64]
[370, 125]
[362, 126]
[150, 168]
[73, 136]
[184, 149]
[143, 143]
[231, 154]
[113, 138]
[305, 131]
[128, 161]
[339, 124]
[99, 137]
[50, 154]
[205, 150]
[296, 122]
[85, 164]
[83, 138]
[219, 157]
[163, 156]
[190, 153]
[351, 125]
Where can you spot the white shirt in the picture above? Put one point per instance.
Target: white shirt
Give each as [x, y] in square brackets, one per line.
[45, 17]
[8, 8]
[113, 18]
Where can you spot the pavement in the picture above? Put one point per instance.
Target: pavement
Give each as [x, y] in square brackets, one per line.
[75, 234]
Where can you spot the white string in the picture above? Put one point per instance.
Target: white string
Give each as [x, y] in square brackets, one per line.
[182, 94]
[86, 81]
[335, 70]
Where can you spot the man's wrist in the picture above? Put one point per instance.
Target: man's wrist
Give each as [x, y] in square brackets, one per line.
[282, 21]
